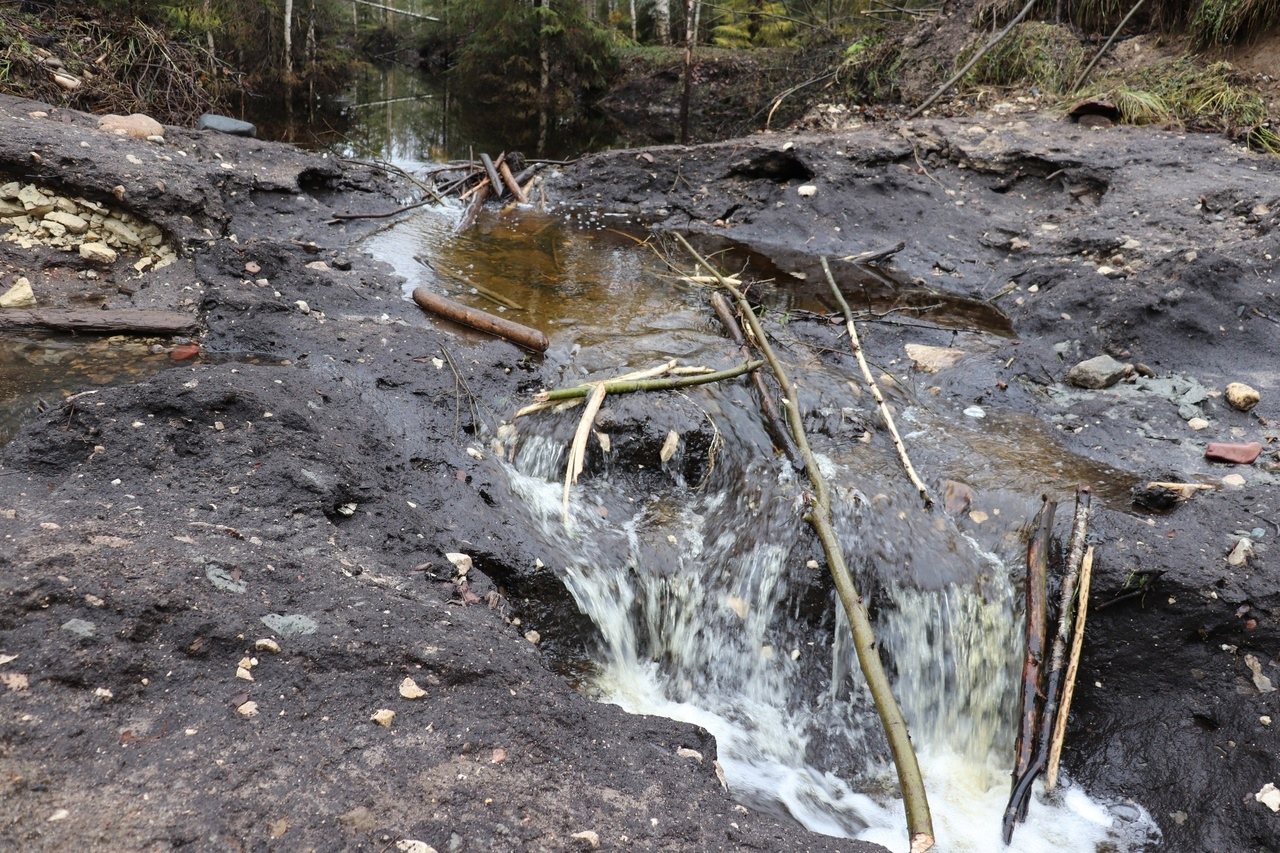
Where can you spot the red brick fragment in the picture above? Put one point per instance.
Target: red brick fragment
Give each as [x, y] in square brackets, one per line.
[182, 352]
[1238, 454]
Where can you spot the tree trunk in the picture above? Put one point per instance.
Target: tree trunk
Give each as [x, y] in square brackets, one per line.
[635, 37]
[288, 42]
[686, 93]
[662, 21]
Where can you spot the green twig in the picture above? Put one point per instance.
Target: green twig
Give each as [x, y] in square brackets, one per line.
[624, 386]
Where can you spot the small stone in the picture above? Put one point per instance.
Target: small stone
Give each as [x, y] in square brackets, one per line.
[384, 717]
[1101, 371]
[252, 268]
[244, 674]
[1233, 481]
[66, 81]
[929, 359]
[103, 693]
[115, 228]
[80, 627]
[18, 296]
[591, 838]
[267, 645]
[806, 191]
[412, 845]
[409, 689]
[98, 253]
[183, 352]
[319, 266]
[247, 709]
[290, 625]
[686, 752]
[60, 814]
[1241, 553]
[224, 124]
[1242, 397]
[70, 221]
[1237, 454]
[302, 306]
[136, 125]
[1198, 424]
[1269, 796]
[533, 637]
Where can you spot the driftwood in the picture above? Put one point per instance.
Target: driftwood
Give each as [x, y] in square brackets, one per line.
[491, 172]
[1077, 644]
[1057, 661]
[856, 345]
[512, 184]
[777, 430]
[910, 782]
[973, 60]
[1024, 772]
[475, 318]
[473, 208]
[111, 322]
[876, 255]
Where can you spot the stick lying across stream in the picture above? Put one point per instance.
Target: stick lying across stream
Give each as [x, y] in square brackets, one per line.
[910, 782]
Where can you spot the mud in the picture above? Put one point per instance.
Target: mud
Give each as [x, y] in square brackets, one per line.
[1157, 248]
[300, 481]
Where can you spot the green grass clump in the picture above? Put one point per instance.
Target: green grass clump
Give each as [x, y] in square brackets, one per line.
[1219, 22]
[1046, 56]
[1205, 98]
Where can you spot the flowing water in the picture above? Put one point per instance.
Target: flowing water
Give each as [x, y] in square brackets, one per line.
[708, 605]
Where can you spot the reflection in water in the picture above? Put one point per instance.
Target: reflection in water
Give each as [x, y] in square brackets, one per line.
[407, 117]
[36, 373]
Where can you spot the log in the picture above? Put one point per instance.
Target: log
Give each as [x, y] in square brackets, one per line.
[1024, 772]
[473, 207]
[777, 431]
[1053, 691]
[524, 336]
[513, 185]
[109, 322]
[491, 169]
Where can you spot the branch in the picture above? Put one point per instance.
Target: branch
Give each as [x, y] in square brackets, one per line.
[1084, 75]
[625, 386]
[1077, 644]
[910, 782]
[856, 345]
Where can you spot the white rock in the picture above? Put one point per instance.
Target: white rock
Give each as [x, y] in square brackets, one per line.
[69, 221]
[267, 645]
[18, 296]
[412, 845]
[409, 689]
[384, 717]
[98, 253]
[1269, 796]
[461, 562]
[1198, 424]
[932, 359]
[807, 191]
[589, 836]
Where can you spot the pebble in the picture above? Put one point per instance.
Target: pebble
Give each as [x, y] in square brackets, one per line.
[267, 645]
[1233, 481]
[98, 253]
[806, 191]
[1242, 397]
[384, 717]
[18, 296]
[247, 709]
[1101, 371]
[591, 837]
[1198, 424]
[409, 689]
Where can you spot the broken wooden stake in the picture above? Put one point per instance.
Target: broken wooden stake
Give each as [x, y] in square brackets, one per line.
[1073, 668]
[481, 320]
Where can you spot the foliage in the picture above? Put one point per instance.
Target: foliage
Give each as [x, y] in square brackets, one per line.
[752, 23]
[1227, 21]
[1180, 92]
[1046, 56]
[503, 43]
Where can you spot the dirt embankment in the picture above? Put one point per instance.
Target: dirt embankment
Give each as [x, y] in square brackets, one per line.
[211, 580]
[1155, 248]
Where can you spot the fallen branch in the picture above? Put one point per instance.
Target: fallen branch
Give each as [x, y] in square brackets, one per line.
[973, 60]
[344, 217]
[856, 345]
[1024, 772]
[393, 9]
[491, 171]
[116, 322]
[512, 184]
[777, 430]
[910, 782]
[483, 321]
[876, 255]
[1077, 644]
[627, 386]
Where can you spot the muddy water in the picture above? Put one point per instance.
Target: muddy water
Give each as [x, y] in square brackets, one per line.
[701, 593]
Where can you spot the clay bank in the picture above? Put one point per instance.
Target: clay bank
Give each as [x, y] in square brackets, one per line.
[307, 583]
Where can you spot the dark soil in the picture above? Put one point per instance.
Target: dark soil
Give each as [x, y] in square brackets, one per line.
[300, 482]
[1157, 248]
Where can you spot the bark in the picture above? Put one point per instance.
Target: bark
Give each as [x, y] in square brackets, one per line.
[288, 42]
[662, 21]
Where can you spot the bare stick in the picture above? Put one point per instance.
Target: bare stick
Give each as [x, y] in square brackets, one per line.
[624, 386]
[910, 782]
[115, 322]
[955, 78]
[1025, 771]
[578, 450]
[1073, 668]
[1084, 75]
[1075, 555]
[777, 430]
[512, 184]
[856, 345]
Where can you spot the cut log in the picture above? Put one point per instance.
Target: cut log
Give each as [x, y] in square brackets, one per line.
[524, 336]
[510, 180]
[115, 322]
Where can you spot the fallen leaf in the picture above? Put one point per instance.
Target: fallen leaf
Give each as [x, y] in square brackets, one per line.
[409, 689]
[384, 717]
